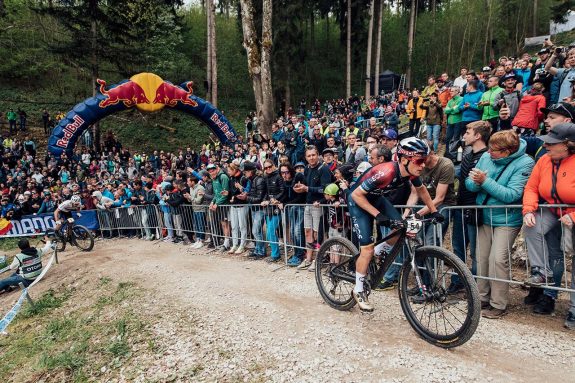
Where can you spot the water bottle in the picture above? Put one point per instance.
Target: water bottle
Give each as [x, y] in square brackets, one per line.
[459, 153]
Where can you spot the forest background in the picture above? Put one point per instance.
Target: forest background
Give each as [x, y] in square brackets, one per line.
[52, 50]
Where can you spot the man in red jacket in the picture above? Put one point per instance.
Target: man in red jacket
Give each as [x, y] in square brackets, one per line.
[529, 115]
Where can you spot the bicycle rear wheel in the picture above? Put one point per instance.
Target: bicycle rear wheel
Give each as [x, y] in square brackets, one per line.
[441, 319]
[335, 272]
[82, 238]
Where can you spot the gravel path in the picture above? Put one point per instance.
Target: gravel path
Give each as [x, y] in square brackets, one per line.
[229, 319]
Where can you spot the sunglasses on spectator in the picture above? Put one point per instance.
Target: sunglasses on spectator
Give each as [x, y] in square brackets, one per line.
[285, 172]
[268, 167]
[419, 161]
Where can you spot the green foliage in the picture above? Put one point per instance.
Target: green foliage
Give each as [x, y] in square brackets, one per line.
[48, 301]
[46, 53]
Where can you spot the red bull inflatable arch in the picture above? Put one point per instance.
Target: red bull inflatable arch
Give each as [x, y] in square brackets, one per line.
[145, 91]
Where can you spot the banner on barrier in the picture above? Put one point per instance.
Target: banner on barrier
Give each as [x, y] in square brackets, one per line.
[31, 224]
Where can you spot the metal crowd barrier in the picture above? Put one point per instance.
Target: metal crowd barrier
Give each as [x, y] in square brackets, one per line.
[254, 227]
[516, 262]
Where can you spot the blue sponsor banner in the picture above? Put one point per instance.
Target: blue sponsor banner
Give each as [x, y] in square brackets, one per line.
[39, 223]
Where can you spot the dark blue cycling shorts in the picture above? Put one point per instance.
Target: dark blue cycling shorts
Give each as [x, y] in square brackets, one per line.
[362, 221]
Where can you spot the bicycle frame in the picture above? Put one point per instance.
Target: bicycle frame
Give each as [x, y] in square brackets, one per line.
[381, 266]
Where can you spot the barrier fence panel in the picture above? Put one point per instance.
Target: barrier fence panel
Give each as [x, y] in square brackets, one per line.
[498, 247]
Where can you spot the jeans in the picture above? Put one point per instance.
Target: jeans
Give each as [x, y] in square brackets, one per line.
[22, 123]
[431, 232]
[12, 124]
[258, 216]
[168, 224]
[462, 235]
[433, 134]
[272, 223]
[239, 223]
[14, 280]
[295, 224]
[544, 246]
[414, 125]
[200, 224]
[145, 224]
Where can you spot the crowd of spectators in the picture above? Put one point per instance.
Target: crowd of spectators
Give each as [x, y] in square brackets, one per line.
[499, 136]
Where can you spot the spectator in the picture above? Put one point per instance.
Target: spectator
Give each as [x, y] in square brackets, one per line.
[453, 132]
[487, 100]
[11, 117]
[563, 75]
[254, 196]
[464, 228]
[462, 79]
[390, 119]
[28, 263]
[221, 186]
[275, 196]
[507, 99]
[469, 105]
[46, 121]
[23, 116]
[529, 115]
[415, 112]
[317, 177]
[238, 210]
[543, 228]
[355, 151]
[499, 179]
[434, 117]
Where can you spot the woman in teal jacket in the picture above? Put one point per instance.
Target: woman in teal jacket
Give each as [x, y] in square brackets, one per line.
[499, 179]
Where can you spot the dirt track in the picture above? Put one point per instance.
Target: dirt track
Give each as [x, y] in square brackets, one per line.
[225, 318]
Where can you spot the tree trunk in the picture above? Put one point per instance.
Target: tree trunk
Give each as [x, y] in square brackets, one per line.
[259, 60]
[209, 50]
[487, 30]
[267, 91]
[369, 48]
[214, 56]
[411, 34]
[287, 87]
[312, 30]
[378, 49]
[348, 57]
[534, 33]
[94, 63]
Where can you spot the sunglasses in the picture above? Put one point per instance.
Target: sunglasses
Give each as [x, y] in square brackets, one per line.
[268, 167]
[285, 172]
[419, 161]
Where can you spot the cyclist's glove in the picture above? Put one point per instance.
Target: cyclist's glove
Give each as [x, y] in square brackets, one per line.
[382, 219]
[438, 217]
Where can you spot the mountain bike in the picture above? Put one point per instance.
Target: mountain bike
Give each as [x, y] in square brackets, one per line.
[76, 235]
[442, 319]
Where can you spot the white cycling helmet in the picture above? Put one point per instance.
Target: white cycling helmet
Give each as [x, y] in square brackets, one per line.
[75, 199]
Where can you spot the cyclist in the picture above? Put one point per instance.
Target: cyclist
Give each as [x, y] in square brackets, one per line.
[367, 202]
[65, 209]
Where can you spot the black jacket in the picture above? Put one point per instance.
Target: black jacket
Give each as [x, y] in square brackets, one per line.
[275, 187]
[257, 191]
[316, 180]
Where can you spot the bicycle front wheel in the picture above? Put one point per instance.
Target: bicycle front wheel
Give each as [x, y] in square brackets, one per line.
[442, 319]
[82, 238]
[335, 272]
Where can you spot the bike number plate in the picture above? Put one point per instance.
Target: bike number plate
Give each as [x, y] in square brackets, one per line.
[414, 226]
[71, 220]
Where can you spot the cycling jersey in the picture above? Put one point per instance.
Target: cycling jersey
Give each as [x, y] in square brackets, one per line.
[68, 207]
[377, 182]
[383, 178]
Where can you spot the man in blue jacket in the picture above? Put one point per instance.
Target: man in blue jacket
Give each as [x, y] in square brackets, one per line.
[469, 105]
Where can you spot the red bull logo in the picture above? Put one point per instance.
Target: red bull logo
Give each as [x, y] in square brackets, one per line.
[170, 94]
[130, 93]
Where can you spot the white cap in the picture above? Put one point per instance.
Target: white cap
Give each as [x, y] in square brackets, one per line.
[363, 166]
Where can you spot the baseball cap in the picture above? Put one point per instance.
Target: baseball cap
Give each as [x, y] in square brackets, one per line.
[362, 167]
[486, 69]
[560, 133]
[562, 108]
[210, 167]
[328, 150]
[298, 164]
[543, 51]
[390, 133]
[509, 76]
